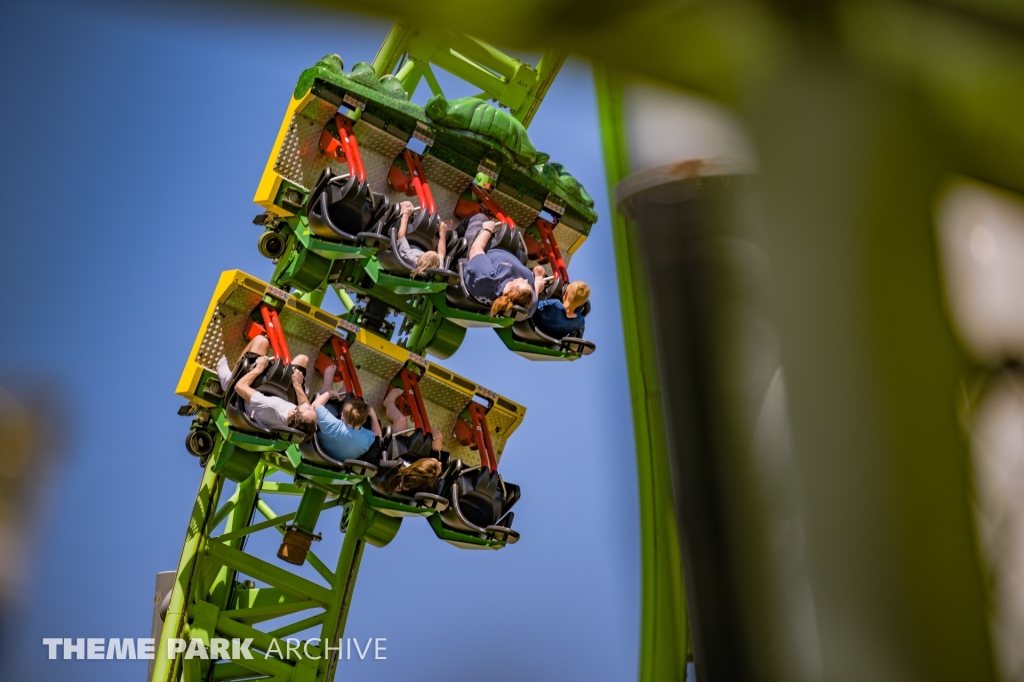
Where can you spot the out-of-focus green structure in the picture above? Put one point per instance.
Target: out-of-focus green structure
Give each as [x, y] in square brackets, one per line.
[793, 370]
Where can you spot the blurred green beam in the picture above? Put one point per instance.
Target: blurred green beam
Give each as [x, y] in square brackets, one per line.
[960, 56]
[663, 624]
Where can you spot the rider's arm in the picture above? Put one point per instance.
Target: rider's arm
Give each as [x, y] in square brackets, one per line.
[538, 281]
[406, 210]
[298, 379]
[442, 242]
[374, 424]
[480, 243]
[244, 386]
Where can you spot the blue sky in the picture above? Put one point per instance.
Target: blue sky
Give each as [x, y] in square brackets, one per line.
[131, 142]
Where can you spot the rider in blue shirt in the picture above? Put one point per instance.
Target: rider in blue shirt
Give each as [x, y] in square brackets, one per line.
[346, 438]
[497, 276]
[560, 318]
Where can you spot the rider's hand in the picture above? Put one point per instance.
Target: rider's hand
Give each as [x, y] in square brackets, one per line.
[539, 271]
[405, 208]
[262, 362]
[333, 395]
[297, 378]
[442, 228]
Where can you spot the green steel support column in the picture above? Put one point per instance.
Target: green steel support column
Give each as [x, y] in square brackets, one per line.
[345, 299]
[393, 47]
[333, 627]
[410, 75]
[664, 634]
[416, 335]
[314, 298]
[198, 529]
[547, 68]
[482, 53]
[503, 78]
[309, 508]
[239, 518]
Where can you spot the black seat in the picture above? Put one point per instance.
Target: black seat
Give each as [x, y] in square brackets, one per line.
[382, 208]
[555, 289]
[480, 502]
[458, 296]
[429, 499]
[238, 416]
[458, 247]
[505, 237]
[527, 330]
[422, 230]
[411, 446]
[276, 381]
[340, 207]
[392, 261]
[509, 239]
[365, 465]
[402, 450]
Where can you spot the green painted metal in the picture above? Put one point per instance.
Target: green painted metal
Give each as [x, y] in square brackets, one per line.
[309, 508]
[167, 669]
[664, 635]
[508, 81]
[210, 598]
[444, 336]
[533, 350]
[345, 299]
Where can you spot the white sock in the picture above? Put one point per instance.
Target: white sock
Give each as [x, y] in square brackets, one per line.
[224, 372]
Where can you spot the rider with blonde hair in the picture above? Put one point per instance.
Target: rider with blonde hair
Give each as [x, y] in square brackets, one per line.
[560, 318]
[411, 254]
[497, 276]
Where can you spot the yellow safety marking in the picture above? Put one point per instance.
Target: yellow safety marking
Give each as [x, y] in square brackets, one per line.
[382, 345]
[270, 183]
[311, 313]
[447, 378]
[576, 245]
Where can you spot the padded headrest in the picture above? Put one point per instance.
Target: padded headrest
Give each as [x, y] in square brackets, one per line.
[555, 288]
[276, 381]
[478, 509]
[422, 230]
[321, 182]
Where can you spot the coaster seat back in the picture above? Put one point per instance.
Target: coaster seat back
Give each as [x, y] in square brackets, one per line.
[458, 296]
[528, 331]
[511, 240]
[422, 230]
[238, 416]
[411, 446]
[313, 452]
[276, 381]
[340, 207]
[479, 498]
[391, 259]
